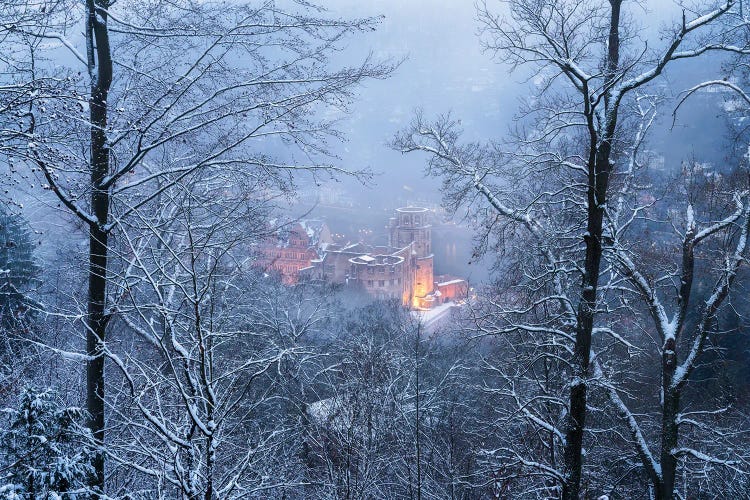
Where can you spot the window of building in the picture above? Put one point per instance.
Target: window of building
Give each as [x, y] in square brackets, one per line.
[369, 282]
[381, 283]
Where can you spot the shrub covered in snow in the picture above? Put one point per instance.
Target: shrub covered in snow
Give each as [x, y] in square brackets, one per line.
[44, 452]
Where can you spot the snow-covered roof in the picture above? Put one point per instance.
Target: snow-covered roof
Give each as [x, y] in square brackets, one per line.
[451, 282]
[413, 210]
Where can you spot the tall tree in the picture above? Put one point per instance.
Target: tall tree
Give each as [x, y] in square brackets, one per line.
[591, 67]
[680, 286]
[19, 306]
[157, 91]
[18, 271]
[204, 348]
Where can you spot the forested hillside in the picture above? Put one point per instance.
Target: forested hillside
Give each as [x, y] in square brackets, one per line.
[178, 320]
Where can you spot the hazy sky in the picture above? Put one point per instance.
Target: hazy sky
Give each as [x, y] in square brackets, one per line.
[445, 70]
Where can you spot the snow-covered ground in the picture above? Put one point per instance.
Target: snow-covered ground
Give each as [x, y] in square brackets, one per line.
[431, 317]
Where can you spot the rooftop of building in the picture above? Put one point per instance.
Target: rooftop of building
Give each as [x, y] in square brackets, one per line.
[377, 260]
[452, 282]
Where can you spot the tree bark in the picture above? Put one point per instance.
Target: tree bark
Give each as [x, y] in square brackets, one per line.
[598, 182]
[599, 166]
[100, 73]
[669, 427]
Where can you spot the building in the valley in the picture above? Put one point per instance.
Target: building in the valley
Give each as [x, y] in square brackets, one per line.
[450, 289]
[404, 269]
[411, 226]
[294, 248]
[383, 274]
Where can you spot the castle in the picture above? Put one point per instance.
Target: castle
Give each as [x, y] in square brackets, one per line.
[403, 270]
[288, 252]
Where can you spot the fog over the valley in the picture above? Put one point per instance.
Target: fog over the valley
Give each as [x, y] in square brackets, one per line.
[376, 249]
[444, 69]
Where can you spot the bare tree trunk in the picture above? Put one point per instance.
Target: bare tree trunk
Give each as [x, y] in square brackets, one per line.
[100, 71]
[599, 166]
[598, 180]
[418, 443]
[669, 432]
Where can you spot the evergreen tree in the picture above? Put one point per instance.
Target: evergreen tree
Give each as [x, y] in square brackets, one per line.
[42, 457]
[18, 272]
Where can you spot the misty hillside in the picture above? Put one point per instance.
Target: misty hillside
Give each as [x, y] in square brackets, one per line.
[422, 249]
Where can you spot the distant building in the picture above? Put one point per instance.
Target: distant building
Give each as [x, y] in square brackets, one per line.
[411, 226]
[450, 288]
[382, 273]
[402, 270]
[292, 250]
[327, 195]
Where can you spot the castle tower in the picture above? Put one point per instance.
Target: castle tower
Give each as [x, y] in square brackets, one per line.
[411, 227]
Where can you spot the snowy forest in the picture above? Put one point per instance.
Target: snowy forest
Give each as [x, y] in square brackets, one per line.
[149, 148]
